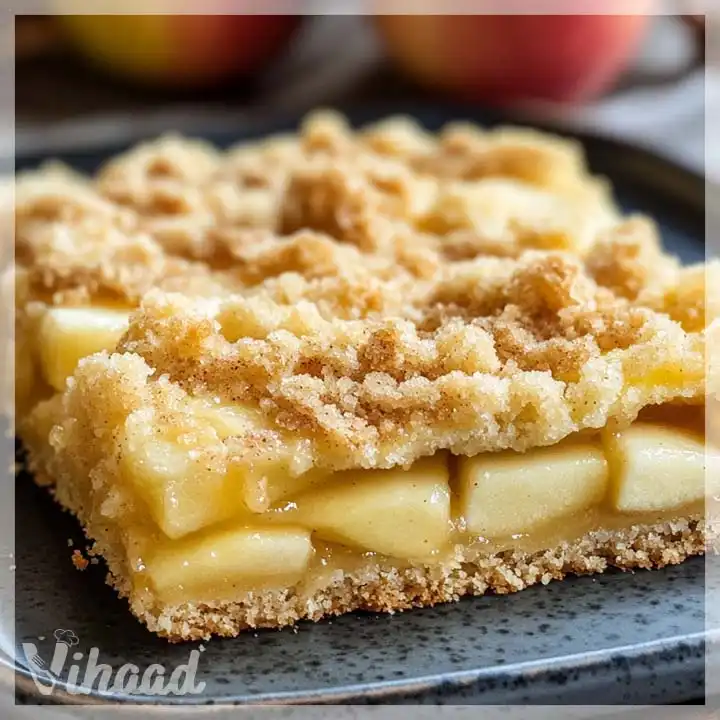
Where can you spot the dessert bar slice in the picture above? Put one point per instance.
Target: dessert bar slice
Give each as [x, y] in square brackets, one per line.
[244, 463]
[356, 369]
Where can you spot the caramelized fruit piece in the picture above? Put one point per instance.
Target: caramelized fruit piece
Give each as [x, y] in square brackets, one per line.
[509, 493]
[402, 513]
[182, 489]
[69, 334]
[655, 467]
[231, 558]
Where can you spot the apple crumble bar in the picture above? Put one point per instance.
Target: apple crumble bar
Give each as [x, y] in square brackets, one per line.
[370, 369]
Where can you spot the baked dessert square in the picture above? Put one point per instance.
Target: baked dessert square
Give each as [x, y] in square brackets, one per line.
[356, 370]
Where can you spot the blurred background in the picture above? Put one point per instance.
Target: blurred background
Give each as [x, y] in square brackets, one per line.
[85, 80]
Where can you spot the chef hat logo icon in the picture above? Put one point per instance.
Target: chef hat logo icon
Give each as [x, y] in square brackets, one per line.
[66, 637]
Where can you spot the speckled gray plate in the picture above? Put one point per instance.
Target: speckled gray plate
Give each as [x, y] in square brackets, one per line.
[612, 639]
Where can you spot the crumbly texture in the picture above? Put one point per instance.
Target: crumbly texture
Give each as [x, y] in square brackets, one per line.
[394, 199]
[516, 357]
[79, 561]
[372, 297]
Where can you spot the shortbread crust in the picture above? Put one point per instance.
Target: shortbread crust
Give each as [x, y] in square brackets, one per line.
[377, 589]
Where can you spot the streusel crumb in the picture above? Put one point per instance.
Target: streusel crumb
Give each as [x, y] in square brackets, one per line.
[536, 351]
[176, 211]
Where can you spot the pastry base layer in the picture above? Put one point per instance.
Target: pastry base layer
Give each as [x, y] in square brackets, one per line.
[377, 588]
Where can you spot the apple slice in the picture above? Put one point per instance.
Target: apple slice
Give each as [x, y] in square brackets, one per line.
[182, 490]
[212, 565]
[509, 493]
[401, 513]
[271, 486]
[270, 479]
[655, 467]
[228, 419]
[69, 334]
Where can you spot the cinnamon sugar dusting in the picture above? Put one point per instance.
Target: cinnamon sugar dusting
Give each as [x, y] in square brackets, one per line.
[514, 364]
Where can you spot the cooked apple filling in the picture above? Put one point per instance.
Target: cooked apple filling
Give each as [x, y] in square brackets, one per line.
[199, 528]
[66, 335]
[489, 502]
[346, 370]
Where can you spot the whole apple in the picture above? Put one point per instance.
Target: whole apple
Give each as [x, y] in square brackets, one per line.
[501, 58]
[180, 50]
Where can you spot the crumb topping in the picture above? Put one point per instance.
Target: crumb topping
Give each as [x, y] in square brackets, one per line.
[391, 199]
[535, 352]
[399, 293]
[79, 561]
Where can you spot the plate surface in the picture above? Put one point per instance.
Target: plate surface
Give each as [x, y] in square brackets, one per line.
[610, 639]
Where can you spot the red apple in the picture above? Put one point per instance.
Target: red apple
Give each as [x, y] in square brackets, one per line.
[180, 50]
[515, 57]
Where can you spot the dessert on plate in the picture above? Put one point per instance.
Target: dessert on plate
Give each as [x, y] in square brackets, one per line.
[371, 369]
